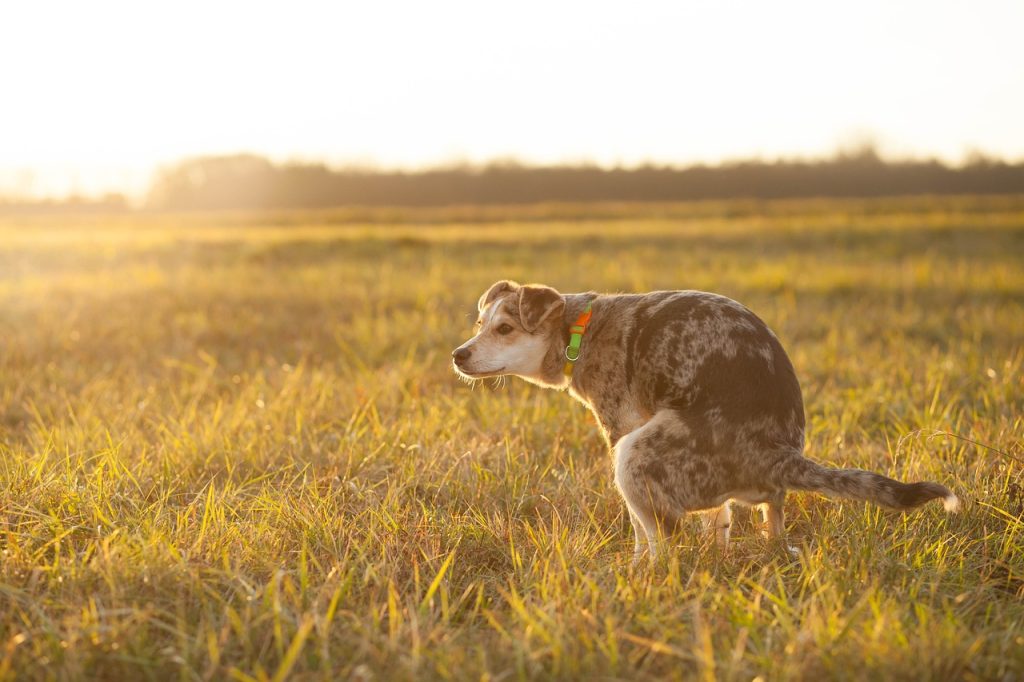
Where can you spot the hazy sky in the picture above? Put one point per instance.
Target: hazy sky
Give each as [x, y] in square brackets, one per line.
[95, 94]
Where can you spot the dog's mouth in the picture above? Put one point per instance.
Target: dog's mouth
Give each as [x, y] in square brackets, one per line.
[478, 374]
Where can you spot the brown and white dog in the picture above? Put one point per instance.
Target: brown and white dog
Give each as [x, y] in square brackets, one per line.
[693, 392]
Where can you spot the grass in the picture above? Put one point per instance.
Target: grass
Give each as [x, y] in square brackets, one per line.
[232, 447]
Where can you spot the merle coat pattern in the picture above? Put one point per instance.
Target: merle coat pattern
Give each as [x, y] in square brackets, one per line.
[694, 394]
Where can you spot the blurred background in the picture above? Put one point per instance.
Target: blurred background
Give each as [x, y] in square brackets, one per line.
[116, 105]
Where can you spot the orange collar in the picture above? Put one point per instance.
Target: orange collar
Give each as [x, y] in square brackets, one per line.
[576, 332]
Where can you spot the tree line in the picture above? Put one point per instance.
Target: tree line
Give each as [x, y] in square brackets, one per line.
[252, 182]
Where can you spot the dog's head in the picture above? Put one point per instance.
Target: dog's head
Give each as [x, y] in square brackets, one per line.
[515, 329]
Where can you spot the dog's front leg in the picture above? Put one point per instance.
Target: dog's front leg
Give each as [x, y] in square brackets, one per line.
[639, 476]
[639, 537]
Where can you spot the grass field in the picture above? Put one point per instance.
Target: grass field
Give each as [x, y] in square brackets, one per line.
[233, 447]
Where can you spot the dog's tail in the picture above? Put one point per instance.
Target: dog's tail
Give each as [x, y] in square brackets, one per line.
[801, 473]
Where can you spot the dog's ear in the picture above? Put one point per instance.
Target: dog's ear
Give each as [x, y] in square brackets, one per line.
[536, 304]
[496, 290]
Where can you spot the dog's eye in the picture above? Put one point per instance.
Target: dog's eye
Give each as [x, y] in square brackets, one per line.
[505, 328]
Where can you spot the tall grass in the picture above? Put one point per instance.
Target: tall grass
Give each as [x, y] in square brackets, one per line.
[232, 447]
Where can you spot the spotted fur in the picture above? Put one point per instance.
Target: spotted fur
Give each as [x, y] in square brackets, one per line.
[693, 392]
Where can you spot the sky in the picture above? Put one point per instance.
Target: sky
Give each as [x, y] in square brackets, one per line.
[95, 95]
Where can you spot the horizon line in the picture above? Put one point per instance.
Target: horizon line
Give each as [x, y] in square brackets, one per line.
[859, 150]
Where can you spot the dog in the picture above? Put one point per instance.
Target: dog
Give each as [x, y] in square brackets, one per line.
[693, 393]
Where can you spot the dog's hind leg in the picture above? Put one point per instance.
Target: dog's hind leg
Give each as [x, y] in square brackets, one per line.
[721, 521]
[774, 515]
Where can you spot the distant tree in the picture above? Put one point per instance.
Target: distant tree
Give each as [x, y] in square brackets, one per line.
[108, 203]
[239, 181]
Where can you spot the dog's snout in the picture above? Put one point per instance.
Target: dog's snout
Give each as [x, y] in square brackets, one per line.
[461, 355]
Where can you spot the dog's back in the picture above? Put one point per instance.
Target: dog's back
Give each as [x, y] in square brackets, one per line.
[703, 356]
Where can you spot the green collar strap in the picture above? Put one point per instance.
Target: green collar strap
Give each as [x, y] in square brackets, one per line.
[576, 332]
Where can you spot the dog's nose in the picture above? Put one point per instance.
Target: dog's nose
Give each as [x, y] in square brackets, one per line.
[461, 355]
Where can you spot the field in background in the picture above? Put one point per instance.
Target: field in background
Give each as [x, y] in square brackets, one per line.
[232, 446]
